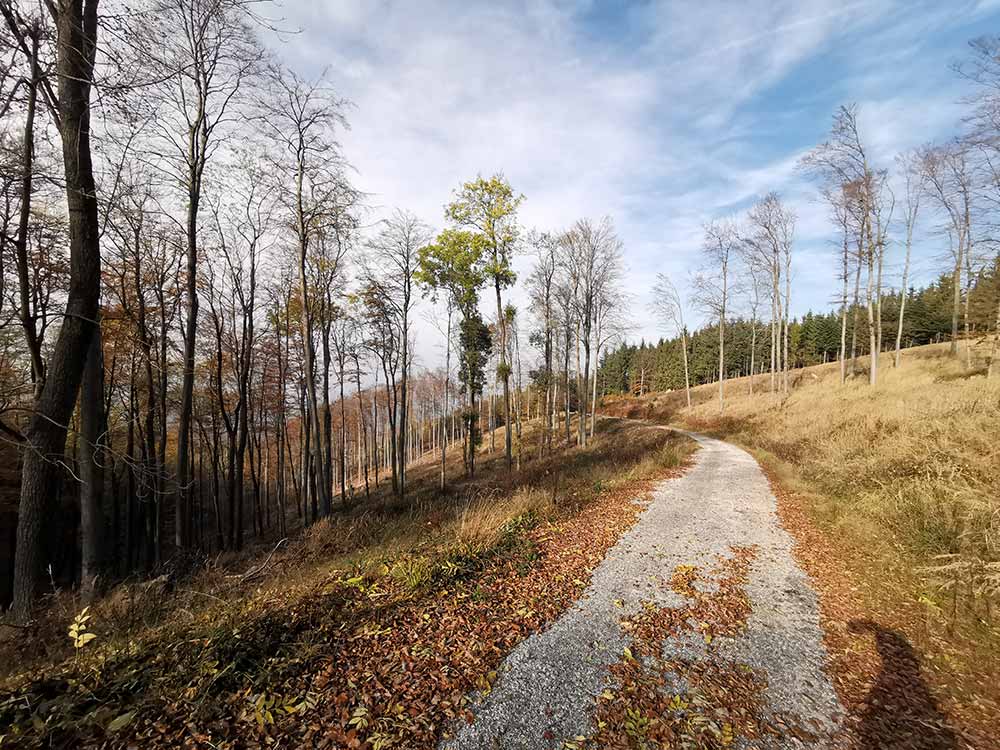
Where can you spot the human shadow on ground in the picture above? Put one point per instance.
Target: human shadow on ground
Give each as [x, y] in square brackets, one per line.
[901, 713]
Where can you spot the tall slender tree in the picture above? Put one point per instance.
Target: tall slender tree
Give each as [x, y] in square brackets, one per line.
[45, 435]
[200, 55]
[300, 118]
[489, 207]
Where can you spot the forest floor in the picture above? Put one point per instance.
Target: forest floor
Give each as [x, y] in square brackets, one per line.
[371, 630]
[891, 495]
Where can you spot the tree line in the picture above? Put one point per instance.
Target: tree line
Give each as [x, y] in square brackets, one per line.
[813, 339]
[743, 281]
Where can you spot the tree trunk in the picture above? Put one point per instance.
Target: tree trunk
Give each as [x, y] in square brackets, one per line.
[328, 467]
[21, 241]
[687, 374]
[995, 348]
[323, 484]
[787, 316]
[404, 404]
[444, 412]
[342, 361]
[566, 351]
[45, 434]
[870, 306]
[190, 333]
[843, 318]
[968, 299]
[857, 318]
[504, 371]
[93, 426]
[956, 280]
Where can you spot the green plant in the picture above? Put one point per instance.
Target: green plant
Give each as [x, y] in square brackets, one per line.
[636, 725]
[413, 572]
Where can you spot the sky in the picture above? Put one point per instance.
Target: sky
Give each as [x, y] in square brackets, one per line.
[661, 114]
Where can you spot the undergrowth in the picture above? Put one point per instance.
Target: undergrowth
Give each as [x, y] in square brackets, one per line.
[231, 646]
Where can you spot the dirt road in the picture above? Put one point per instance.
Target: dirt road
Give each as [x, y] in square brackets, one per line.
[698, 617]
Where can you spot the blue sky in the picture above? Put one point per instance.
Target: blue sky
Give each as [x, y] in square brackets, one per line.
[662, 115]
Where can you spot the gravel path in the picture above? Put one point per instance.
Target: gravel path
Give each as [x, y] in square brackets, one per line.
[545, 693]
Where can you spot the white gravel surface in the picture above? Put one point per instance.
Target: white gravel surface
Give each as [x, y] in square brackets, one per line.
[546, 689]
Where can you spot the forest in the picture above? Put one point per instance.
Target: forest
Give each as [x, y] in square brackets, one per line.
[213, 340]
[210, 337]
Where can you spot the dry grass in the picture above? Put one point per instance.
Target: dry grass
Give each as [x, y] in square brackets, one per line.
[410, 540]
[486, 515]
[903, 481]
[917, 455]
[909, 469]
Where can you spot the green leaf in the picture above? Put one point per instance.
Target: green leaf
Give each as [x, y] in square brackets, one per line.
[121, 722]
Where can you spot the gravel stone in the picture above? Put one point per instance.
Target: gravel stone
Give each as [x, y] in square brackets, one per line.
[546, 688]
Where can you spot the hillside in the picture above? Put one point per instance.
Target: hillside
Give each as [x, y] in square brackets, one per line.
[893, 494]
[322, 638]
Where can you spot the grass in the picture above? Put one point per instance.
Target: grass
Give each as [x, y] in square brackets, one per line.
[279, 643]
[904, 479]
[914, 458]
[411, 540]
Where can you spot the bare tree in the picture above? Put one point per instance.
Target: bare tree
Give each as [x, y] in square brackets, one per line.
[300, 118]
[541, 288]
[880, 203]
[982, 68]
[771, 231]
[28, 34]
[566, 291]
[842, 164]
[950, 185]
[592, 254]
[754, 286]
[610, 325]
[838, 198]
[391, 265]
[914, 185]
[200, 54]
[669, 308]
[712, 284]
[45, 434]
[447, 331]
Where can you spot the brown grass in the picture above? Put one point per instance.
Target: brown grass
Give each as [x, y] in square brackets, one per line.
[902, 480]
[915, 458]
[408, 539]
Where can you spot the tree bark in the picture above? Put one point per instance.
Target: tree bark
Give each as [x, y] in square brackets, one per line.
[93, 425]
[787, 316]
[444, 412]
[956, 280]
[504, 368]
[995, 348]
[843, 316]
[21, 241]
[45, 435]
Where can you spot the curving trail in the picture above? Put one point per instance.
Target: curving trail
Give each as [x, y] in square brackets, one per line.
[546, 695]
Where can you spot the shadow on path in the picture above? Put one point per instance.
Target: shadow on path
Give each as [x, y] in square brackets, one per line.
[901, 713]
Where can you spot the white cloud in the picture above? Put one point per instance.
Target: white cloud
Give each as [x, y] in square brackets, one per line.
[660, 116]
